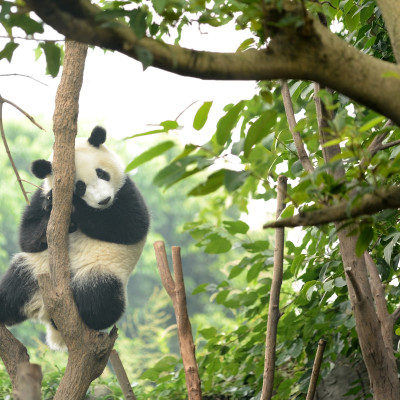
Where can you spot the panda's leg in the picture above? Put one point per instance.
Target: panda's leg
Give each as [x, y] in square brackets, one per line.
[17, 287]
[100, 299]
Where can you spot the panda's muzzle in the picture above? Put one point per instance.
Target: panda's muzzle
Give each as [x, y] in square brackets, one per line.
[105, 201]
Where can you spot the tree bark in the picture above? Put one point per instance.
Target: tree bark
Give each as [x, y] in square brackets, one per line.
[273, 310]
[176, 290]
[381, 364]
[88, 350]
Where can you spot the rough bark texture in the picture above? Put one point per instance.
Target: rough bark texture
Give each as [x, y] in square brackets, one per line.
[310, 53]
[88, 350]
[380, 363]
[121, 376]
[315, 371]
[176, 290]
[13, 353]
[273, 310]
[29, 382]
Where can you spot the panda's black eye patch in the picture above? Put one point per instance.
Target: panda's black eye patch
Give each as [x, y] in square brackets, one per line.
[101, 174]
[80, 188]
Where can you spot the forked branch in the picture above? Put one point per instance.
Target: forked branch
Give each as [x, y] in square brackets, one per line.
[176, 290]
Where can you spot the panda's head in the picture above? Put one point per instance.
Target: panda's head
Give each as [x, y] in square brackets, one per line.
[99, 174]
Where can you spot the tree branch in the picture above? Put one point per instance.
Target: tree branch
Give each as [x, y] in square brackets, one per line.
[380, 302]
[121, 376]
[88, 350]
[273, 309]
[298, 141]
[13, 353]
[316, 368]
[369, 204]
[311, 53]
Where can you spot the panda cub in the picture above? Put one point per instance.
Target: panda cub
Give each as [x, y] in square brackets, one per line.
[108, 229]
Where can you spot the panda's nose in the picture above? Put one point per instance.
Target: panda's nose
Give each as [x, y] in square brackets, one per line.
[105, 201]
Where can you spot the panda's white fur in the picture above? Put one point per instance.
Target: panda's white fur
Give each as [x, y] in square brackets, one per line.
[109, 225]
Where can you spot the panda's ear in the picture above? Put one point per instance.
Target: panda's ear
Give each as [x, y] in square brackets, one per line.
[41, 168]
[98, 136]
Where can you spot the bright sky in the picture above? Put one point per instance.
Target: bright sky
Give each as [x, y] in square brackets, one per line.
[117, 94]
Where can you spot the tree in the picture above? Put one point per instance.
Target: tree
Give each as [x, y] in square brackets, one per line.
[336, 154]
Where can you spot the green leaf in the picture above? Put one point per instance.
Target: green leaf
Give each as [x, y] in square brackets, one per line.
[287, 212]
[370, 124]
[245, 45]
[364, 239]
[234, 227]
[235, 271]
[169, 125]
[259, 130]
[144, 56]
[254, 271]
[255, 247]
[234, 179]
[389, 248]
[202, 115]
[150, 154]
[159, 5]
[217, 245]
[26, 23]
[208, 333]
[221, 296]
[200, 289]
[137, 22]
[340, 282]
[213, 182]
[8, 51]
[228, 122]
[53, 57]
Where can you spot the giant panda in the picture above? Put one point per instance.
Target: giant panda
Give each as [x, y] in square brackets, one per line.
[108, 229]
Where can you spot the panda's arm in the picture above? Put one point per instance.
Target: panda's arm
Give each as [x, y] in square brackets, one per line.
[32, 233]
[125, 222]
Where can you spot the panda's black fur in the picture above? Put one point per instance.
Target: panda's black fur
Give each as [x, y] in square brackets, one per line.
[109, 225]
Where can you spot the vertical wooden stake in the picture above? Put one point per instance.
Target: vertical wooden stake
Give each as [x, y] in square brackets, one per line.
[315, 371]
[273, 311]
[176, 290]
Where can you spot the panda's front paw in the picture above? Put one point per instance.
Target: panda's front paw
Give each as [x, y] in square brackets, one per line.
[48, 201]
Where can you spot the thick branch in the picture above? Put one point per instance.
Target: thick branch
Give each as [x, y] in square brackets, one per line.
[314, 53]
[369, 204]
[380, 302]
[88, 350]
[273, 309]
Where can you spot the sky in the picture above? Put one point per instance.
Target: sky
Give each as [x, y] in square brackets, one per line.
[118, 94]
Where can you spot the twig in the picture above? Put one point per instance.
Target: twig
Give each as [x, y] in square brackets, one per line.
[25, 76]
[315, 371]
[3, 100]
[273, 311]
[396, 314]
[176, 290]
[29, 378]
[3, 137]
[301, 151]
[121, 375]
